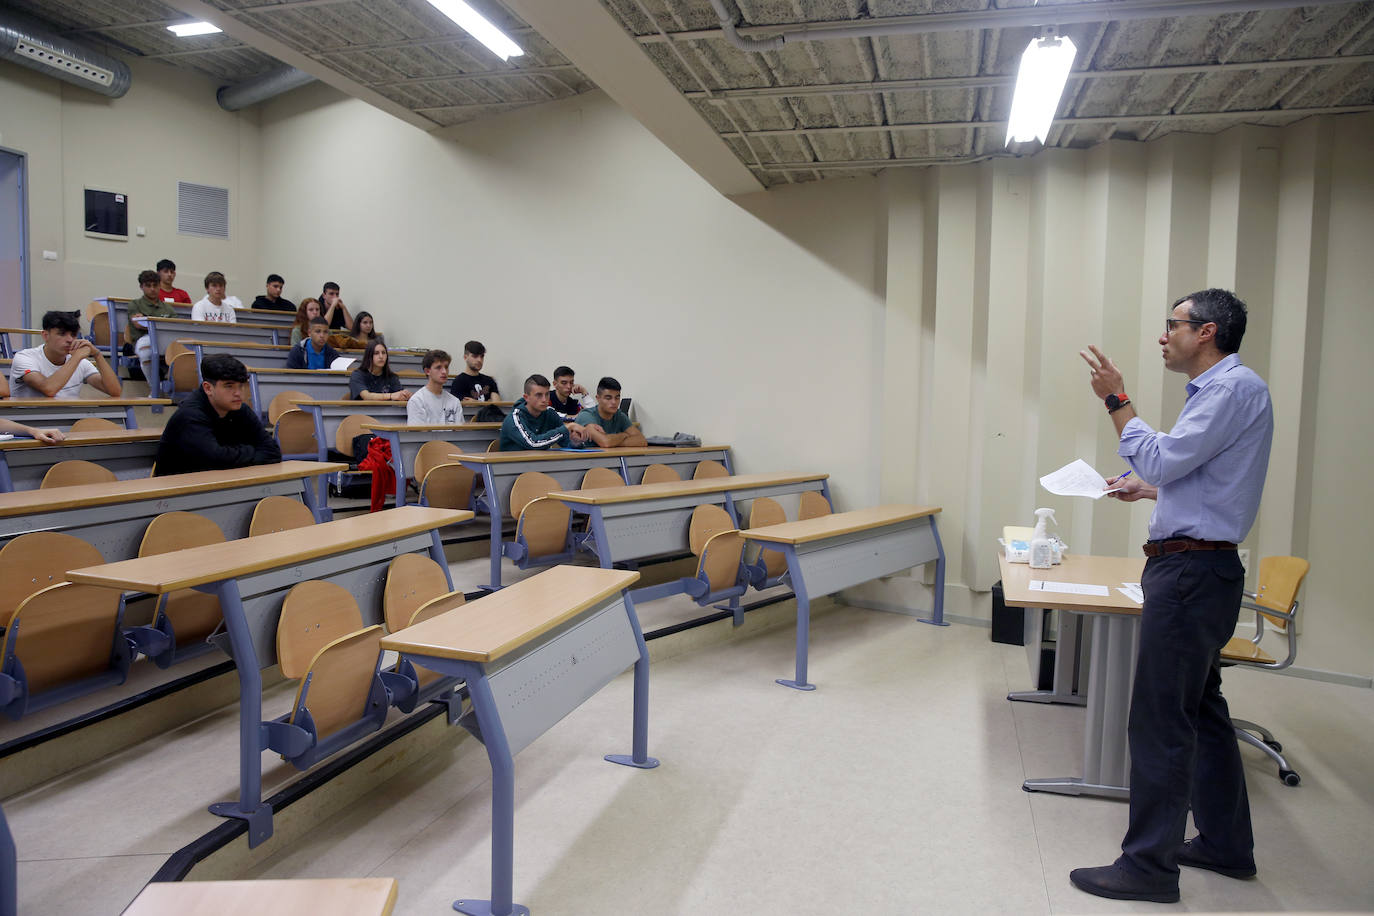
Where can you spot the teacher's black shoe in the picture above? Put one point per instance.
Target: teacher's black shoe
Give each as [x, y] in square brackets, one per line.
[1191, 855]
[1115, 882]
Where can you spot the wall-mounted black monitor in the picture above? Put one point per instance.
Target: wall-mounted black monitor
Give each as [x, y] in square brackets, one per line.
[107, 214]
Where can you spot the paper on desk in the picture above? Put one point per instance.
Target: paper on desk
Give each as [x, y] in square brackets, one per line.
[1072, 588]
[1133, 591]
[4, 436]
[1076, 479]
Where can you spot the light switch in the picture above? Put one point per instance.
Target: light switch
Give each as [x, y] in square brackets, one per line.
[140, 231]
[49, 255]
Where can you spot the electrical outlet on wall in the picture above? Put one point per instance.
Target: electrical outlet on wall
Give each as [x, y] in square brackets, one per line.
[1244, 553]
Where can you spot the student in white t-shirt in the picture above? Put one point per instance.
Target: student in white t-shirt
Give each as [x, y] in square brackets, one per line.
[59, 367]
[432, 405]
[215, 306]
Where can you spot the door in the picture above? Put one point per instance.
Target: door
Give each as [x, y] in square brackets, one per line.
[14, 279]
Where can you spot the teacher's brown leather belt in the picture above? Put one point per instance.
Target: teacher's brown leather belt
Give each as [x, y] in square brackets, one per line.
[1178, 545]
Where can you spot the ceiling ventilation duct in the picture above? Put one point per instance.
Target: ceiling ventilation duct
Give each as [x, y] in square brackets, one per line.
[261, 88]
[29, 44]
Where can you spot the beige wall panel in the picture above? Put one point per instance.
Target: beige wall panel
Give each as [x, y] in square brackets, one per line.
[1339, 630]
[167, 128]
[902, 197]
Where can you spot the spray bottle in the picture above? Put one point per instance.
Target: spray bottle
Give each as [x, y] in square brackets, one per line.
[1041, 545]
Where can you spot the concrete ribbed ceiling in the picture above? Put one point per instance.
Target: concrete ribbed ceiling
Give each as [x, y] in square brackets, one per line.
[1194, 73]
[809, 110]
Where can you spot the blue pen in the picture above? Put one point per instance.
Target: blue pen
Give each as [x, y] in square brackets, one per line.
[1123, 477]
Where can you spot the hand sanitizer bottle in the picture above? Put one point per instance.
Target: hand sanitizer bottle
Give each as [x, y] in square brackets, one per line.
[1041, 547]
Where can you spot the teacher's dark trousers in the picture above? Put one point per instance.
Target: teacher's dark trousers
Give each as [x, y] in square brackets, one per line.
[1183, 747]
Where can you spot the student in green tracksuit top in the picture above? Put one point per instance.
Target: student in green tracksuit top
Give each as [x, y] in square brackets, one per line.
[532, 425]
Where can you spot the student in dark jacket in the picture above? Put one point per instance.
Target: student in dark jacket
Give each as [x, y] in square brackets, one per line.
[314, 352]
[212, 429]
[532, 425]
[273, 299]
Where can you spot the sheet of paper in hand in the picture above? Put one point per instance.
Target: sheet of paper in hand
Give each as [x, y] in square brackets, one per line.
[1078, 478]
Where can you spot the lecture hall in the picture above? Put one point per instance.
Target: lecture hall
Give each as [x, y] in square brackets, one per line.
[685, 456]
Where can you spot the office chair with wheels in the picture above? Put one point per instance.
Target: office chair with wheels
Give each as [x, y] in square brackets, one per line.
[1277, 603]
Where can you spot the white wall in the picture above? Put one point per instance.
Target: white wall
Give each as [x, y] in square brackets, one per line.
[165, 129]
[915, 335]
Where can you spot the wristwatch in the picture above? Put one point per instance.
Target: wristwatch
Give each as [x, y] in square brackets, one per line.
[1117, 401]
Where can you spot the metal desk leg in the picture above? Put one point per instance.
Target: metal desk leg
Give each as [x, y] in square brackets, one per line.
[9, 870]
[249, 807]
[1106, 761]
[314, 500]
[1066, 652]
[639, 756]
[803, 620]
[602, 544]
[436, 553]
[398, 465]
[130, 421]
[937, 617]
[155, 382]
[502, 805]
[6, 483]
[495, 510]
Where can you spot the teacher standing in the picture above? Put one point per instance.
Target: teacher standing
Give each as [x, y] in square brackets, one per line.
[1206, 475]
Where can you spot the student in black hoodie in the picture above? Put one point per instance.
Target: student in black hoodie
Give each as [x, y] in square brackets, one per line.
[213, 429]
[273, 299]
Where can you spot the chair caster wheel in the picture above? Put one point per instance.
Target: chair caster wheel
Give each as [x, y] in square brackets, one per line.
[1289, 777]
[1278, 748]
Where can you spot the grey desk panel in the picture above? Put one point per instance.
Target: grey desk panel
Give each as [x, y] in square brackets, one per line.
[329, 416]
[568, 473]
[320, 385]
[116, 529]
[209, 331]
[539, 688]
[128, 460]
[361, 572]
[837, 563]
[683, 462]
[54, 413]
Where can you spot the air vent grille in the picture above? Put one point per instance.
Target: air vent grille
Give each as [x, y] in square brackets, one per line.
[202, 210]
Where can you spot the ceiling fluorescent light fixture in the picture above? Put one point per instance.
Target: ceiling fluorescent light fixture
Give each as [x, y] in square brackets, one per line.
[1045, 67]
[188, 29]
[476, 25]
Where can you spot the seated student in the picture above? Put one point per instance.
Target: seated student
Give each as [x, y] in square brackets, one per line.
[50, 436]
[374, 380]
[166, 284]
[273, 299]
[606, 424]
[147, 304]
[563, 398]
[432, 405]
[314, 352]
[300, 328]
[216, 306]
[213, 429]
[64, 361]
[365, 329]
[470, 384]
[531, 425]
[333, 308]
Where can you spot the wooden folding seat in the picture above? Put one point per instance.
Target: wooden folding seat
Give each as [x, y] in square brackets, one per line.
[494, 445]
[709, 468]
[95, 425]
[443, 484]
[185, 617]
[74, 473]
[720, 574]
[598, 478]
[660, 473]
[59, 643]
[283, 402]
[416, 589]
[352, 425]
[98, 316]
[321, 641]
[37, 560]
[294, 431]
[279, 513]
[813, 505]
[542, 525]
[771, 565]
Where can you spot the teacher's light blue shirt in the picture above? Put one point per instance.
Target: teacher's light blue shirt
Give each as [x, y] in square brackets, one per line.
[1210, 467]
